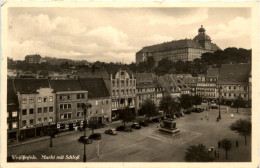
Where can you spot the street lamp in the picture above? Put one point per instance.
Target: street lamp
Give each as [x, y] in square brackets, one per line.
[219, 115]
[85, 108]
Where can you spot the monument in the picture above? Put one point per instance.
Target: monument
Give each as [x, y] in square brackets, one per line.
[168, 127]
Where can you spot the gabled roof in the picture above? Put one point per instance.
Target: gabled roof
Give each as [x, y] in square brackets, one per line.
[96, 87]
[185, 43]
[30, 85]
[190, 80]
[65, 85]
[179, 82]
[234, 73]
[12, 99]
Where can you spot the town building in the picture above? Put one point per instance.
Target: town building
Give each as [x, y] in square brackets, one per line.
[37, 106]
[33, 59]
[233, 81]
[69, 98]
[122, 86]
[192, 83]
[184, 50]
[147, 87]
[207, 84]
[99, 98]
[12, 113]
[173, 86]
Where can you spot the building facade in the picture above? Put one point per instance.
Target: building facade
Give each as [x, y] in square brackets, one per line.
[99, 98]
[123, 90]
[37, 106]
[147, 87]
[233, 81]
[33, 59]
[12, 113]
[69, 98]
[184, 50]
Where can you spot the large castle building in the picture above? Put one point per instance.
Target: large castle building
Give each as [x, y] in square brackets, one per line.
[184, 50]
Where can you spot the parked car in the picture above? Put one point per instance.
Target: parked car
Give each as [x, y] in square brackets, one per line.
[214, 107]
[111, 132]
[136, 126]
[157, 120]
[143, 123]
[95, 136]
[124, 129]
[85, 140]
[197, 110]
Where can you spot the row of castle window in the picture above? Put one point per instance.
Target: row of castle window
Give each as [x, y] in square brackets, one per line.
[39, 110]
[39, 99]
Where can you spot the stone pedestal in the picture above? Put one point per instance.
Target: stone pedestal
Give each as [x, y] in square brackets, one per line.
[169, 127]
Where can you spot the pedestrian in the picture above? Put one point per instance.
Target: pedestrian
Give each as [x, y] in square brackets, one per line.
[232, 115]
[227, 109]
[219, 144]
[201, 118]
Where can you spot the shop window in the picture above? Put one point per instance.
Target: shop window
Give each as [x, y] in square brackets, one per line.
[50, 119]
[24, 111]
[39, 110]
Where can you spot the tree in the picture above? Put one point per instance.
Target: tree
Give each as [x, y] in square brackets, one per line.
[196, 100]
[198, 153]
[239, 102]
[165, 103]
[169, 106]
[126, 115]
[226, 144]
[242, 127]
[185, 101]
[148, 108]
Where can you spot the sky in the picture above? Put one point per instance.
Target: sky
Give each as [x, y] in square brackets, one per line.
[116, 34]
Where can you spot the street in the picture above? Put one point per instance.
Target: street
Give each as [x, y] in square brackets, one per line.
[146, 144]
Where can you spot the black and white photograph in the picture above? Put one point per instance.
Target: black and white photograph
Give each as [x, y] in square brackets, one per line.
[130, 84]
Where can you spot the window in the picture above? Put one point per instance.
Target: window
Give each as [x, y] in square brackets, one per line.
[14, 114]
[31, 122]
[229, 87]
[39, 120]
[45, 109]
[24, 111]
[24, 123]
[244, 87]
[62, 116]
[50, 109]
[39, 110]
[78, 105]
[80, 96]
[78, 114]
[65, 116]
[45, 99]
[50, 119]
[107, 102]
[31, 111]
[225, 94]
[45, 119]
[69, 106]
[235, 95]
[69, 115]
[244, 95]
[96, 102]
[229, 94]
[51, 98]
[24, 100]
[39, 99]
[31, 99]
[234, 87]
[14, 125]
